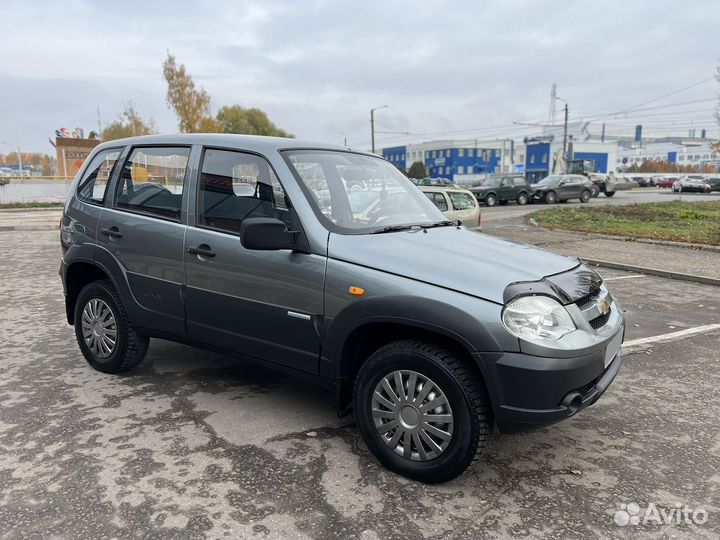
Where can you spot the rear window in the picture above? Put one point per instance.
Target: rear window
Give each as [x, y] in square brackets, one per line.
[462, 201]
[94, 183]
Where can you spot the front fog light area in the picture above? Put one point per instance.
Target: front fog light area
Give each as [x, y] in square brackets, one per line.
[537, 318]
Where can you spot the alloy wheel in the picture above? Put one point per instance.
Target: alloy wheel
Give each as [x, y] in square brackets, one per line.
[412, 415]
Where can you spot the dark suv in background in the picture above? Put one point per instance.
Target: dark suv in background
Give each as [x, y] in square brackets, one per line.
[258, 247]
[501, 189]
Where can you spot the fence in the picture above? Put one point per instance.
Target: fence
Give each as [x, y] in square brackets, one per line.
[34, 189]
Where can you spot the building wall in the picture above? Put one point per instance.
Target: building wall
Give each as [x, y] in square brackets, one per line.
[71, 154]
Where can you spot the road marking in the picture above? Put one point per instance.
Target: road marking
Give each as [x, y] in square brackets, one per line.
[680, 334]
[624, 277]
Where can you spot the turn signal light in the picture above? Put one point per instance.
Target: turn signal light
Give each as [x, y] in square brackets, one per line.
[356, 291]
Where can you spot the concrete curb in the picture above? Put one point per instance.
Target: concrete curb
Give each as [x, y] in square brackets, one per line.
[29, 228]
[44, 209]
[653, 272]
[668, 243]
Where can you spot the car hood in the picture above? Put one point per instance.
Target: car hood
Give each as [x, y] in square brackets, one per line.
[457, 259]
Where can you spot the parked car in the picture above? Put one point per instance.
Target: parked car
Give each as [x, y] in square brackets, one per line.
[431, 333]
[693, 183]
[457, 204]
[562, 187]
[501, 189]
[666, 181]
[644, 181]
[714, 183]
[610, 183]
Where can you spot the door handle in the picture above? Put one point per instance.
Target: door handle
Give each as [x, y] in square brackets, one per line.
[112, 232]
[202, 249]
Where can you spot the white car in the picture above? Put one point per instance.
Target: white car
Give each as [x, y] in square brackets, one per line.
[694, 183]
[455, 203]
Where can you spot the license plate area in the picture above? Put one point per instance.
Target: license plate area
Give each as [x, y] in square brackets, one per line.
[613, 348]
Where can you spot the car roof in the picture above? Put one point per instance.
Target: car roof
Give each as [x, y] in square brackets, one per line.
[244, 142]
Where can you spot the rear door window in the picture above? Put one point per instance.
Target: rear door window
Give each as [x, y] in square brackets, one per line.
[462, 201]
[438, 200]
[152, 181]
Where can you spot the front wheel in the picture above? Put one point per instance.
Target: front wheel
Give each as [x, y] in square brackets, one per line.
[490, 200]
[595, 191]
[609, 193]
[551, 197]
[585, 196]
[107, 338]
[522, 198]
[421, 410]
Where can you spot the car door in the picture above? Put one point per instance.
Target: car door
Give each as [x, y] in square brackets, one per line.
[440, 201]
[140, 235]
[506, 190]
[264, 304]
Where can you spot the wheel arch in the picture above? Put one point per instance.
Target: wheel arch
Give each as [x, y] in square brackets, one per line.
[349, 341]
[77, 275]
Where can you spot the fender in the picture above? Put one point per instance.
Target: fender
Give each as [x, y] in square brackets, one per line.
[417, 312]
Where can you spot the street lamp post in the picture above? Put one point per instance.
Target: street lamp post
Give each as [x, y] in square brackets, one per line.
[372, 125]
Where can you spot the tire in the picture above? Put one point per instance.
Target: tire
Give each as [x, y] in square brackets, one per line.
[609, 193]
[491, 200]
[522, 198]
[465, 395]
[129, 348]
[595, 191]
[585, 196]
[551, 197]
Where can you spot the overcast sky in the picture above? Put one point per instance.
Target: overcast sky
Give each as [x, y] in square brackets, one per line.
[445, 69]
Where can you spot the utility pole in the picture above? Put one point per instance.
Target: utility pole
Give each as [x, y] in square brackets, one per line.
[565, 132]
[20, 161]
[372, 125]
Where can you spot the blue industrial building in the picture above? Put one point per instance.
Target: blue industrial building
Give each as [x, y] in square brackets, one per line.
[541, 151]
[451, 161]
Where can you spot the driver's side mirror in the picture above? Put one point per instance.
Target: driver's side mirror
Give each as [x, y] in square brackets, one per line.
[266, 234]
[562, 182]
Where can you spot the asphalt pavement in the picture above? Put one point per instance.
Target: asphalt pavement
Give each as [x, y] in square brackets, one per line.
[197, 445]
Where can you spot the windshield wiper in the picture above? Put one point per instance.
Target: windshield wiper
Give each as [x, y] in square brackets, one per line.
[392, 228]
[443, 223]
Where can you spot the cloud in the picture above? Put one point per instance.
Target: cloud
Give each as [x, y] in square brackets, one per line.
[317, 67]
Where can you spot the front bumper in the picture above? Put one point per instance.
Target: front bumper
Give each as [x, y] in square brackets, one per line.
[529, 392]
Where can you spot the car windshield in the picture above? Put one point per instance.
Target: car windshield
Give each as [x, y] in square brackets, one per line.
[356, 194]
[548, 180]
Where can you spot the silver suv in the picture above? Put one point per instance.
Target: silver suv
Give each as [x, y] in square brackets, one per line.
[329, 263]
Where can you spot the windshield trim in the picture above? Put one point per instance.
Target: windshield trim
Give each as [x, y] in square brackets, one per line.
[309, 197]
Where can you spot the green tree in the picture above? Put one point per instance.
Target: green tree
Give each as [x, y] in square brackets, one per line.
[237, 119]
[129, 123]
[417, 170]
[190, 102]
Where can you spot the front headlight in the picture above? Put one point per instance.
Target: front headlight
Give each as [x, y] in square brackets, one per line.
[537, 318]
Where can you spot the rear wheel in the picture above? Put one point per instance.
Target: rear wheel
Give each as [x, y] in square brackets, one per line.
[551, 197]
[609, 193]
[585, 196]
[106, 337]
[522, 198]
[421, 410]
[490, 200]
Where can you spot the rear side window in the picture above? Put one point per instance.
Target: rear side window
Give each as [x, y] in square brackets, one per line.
[235, 186]
[438, 200]
[94, 183]
[152, 181]
[461, 201]
[519, 182]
